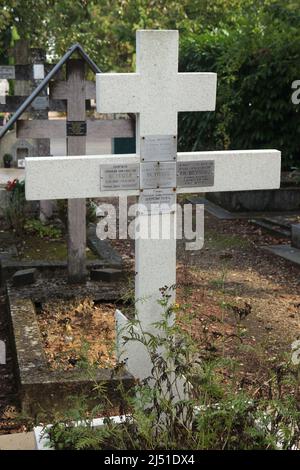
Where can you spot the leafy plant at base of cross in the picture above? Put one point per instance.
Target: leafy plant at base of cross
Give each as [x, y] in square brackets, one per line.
[183, 404]
[14, 211]
[36, 227]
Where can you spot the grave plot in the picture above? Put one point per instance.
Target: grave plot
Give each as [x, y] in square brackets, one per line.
[56, 328]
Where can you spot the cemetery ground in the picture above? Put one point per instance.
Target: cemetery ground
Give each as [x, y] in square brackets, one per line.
[242, 304]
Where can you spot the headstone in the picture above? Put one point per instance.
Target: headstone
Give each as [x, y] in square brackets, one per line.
[22, 149]
[106, 275]
[295, 235]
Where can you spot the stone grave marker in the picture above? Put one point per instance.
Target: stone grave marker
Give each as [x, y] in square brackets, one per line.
[156, 93]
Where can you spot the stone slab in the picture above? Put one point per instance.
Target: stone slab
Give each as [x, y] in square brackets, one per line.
[106, 275]
[295, 235]
[286, 252]
[18, 441]
[282, 218]
[212, 208]
[24, 277]
[9, 266]
[272, 227]
[103, 248]
[271, 200]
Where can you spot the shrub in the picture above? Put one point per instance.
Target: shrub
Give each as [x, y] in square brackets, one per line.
[36, 227]
[256, 59]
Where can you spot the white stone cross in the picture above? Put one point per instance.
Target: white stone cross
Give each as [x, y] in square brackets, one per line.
[156, 93]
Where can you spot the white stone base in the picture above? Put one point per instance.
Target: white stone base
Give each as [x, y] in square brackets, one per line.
[133, 353]
[42, 441]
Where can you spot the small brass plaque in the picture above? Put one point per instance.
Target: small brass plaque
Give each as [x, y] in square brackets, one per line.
[76, 128]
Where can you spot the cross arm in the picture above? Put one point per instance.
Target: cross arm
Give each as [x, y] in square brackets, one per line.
[71, 177]
[56, 129]
[118, 92]
[237, 170]
[196, 91]
[11, 104]
[60, 90]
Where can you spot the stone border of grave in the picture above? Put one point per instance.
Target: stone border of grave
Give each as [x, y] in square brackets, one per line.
[39, 387]
[259, 200]
[9, 266]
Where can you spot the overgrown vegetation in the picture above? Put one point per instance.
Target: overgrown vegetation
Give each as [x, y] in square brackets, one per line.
[14, 210]
[42, 230]
[257, 60]
[185, 404]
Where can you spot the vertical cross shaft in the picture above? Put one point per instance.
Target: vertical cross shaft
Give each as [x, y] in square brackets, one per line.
[76, 145]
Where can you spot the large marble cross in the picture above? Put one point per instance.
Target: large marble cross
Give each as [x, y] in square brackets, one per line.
[156, 93]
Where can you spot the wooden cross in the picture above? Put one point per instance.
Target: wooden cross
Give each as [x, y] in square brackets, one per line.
[156, 92]
[75, 91]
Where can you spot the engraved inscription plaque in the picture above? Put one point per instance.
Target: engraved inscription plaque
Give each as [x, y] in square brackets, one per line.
[122, 176]
[41, 102]
[158, 148]
[158, 175]
[21, 163]
[196, 174]
[76, 128]
[157, 201]
[7, 72]
[38, 71]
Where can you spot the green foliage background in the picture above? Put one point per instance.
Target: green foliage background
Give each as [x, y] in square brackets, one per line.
[253, 45]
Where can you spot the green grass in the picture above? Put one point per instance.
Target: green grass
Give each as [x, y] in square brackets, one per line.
[220, 241]
[35, 248]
